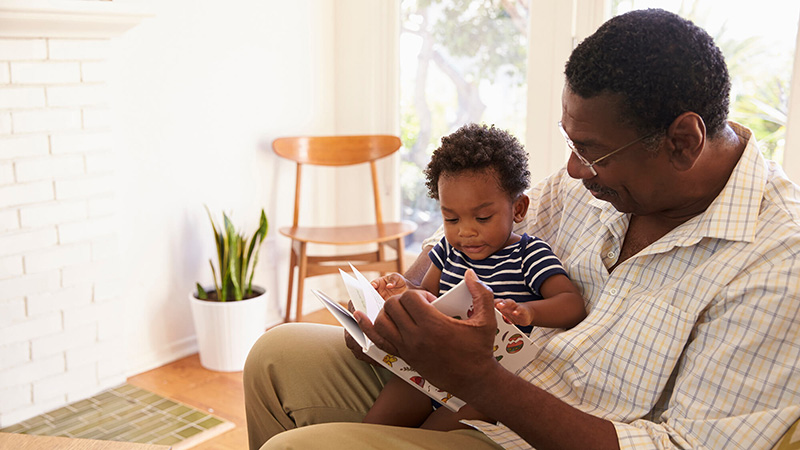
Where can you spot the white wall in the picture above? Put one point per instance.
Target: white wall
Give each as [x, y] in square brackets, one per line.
[59, 334]
[199, 92]
[109, 148]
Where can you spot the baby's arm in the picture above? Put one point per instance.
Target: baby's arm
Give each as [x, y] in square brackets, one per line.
[561, 307]
[395, 284]
[431, 281]
[389, 285]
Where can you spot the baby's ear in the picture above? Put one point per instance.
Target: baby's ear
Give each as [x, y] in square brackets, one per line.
[521, 207]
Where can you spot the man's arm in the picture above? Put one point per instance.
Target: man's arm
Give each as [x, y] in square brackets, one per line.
[462, 363]
[419, 267]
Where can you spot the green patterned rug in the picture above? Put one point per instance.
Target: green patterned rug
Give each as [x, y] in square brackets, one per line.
[128, 414]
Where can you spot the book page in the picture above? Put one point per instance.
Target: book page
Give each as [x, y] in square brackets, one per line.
[344, 317]
[512, 348]
[357, 295]
[372, 299]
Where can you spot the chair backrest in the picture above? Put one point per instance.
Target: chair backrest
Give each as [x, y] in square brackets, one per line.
[337, 151]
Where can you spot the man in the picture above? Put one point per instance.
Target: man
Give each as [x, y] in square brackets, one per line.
[682, 238]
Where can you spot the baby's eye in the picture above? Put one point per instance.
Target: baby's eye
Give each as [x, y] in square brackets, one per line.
[483, 219]
[450, 220]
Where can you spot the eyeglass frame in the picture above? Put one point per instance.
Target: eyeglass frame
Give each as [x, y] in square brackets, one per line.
[590, 164]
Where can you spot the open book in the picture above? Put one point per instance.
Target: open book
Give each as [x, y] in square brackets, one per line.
[512, 348]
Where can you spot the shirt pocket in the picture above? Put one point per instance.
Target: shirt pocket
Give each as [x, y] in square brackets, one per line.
[629, 366]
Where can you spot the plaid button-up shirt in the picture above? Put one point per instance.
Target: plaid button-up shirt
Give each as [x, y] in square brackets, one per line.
[694, 342]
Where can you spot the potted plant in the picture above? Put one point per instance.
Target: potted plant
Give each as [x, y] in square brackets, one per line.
[232, 313]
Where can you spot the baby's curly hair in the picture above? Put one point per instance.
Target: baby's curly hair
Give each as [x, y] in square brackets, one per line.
[478, 147]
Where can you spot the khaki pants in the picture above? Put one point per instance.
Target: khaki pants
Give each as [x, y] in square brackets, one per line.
[304, 390]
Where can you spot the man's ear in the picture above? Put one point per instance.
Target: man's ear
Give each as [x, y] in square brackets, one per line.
[521, 207]
[686, 138]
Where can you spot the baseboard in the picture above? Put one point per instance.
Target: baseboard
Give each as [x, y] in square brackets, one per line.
[151, 360]
[177, 350]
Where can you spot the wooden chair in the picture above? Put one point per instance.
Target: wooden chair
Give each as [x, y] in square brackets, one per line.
[340, 151]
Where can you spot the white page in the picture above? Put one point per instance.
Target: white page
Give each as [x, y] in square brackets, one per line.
[345, 318]
[372, 299]
[355, 291]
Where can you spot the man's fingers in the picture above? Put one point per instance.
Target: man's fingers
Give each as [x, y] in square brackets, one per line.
[482, 296]
[384, 343]
[414, 304]
[356, 349]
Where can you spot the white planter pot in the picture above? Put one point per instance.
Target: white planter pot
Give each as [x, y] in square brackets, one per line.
[227, 330]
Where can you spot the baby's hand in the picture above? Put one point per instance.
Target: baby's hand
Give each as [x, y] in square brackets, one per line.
[517, 313]
[389, 285]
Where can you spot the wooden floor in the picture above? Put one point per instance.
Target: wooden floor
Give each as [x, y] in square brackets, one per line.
[219, 393]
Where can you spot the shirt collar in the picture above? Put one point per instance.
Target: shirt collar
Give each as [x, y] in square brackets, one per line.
[733, 215]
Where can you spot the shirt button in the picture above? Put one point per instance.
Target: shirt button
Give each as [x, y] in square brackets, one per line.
[613, 291]
[611, 254]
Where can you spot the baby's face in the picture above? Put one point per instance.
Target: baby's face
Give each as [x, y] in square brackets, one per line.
[478, 215]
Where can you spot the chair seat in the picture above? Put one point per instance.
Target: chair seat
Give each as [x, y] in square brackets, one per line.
[350, 235]
[385, 254]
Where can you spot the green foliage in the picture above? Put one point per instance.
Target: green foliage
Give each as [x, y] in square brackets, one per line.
[237, 256]
[479, 33]
[760, 75]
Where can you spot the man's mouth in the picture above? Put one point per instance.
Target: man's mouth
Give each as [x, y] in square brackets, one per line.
[599, 191]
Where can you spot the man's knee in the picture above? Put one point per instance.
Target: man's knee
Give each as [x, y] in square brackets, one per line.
[298, 438]
[349, 436]
[270, 346]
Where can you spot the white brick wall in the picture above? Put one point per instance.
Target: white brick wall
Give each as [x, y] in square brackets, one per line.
[59, 306]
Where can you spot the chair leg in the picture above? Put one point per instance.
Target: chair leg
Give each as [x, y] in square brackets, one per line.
[301, 280]
[382, 255]
[292, 265]
[400, 260]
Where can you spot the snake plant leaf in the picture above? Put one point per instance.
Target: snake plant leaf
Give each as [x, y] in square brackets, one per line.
[260, 234]
[217, 237]
[234, 266]
[201, 293]
[237, 257]
[216, 284]
[255, 243]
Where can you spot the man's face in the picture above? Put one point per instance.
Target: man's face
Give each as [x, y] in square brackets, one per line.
[635, 180]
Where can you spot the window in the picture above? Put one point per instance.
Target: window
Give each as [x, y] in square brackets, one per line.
[461, 61]
[466, 60]
[758, 43]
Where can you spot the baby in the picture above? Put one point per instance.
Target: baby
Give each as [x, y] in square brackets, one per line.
[479, 176]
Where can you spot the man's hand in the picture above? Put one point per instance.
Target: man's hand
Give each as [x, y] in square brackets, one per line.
[354, 346]
[392, 284]
[449, 353]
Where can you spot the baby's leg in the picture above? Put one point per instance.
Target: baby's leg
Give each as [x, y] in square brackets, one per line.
[445, 420]
[399, 404]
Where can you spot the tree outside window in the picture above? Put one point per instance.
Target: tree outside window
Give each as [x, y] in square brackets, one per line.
[461, 61]
[758, 42]
[465, 61]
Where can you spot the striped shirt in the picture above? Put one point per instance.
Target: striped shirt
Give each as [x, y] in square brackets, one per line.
[694, 342]
[515, 272]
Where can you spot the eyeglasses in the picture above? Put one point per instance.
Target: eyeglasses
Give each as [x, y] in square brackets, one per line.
[586, 162]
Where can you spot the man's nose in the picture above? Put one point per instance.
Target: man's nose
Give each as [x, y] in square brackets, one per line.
[576, 169]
